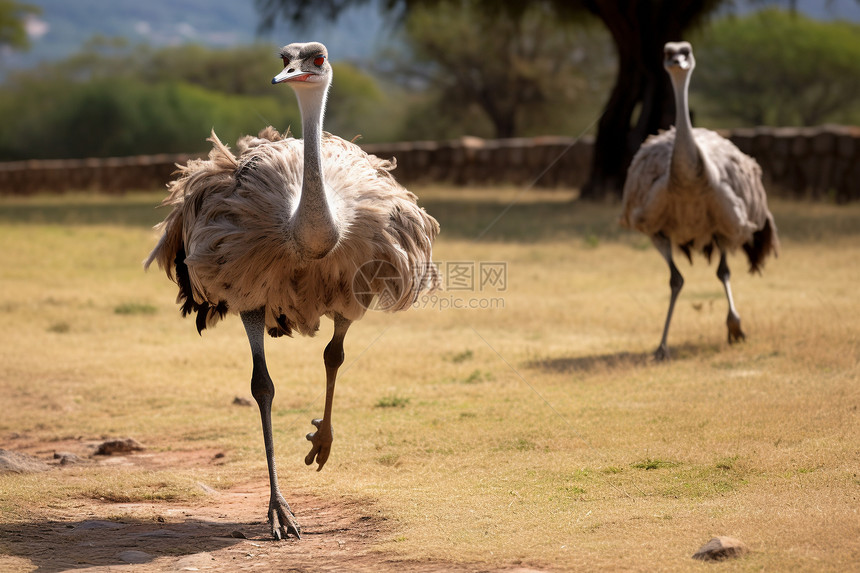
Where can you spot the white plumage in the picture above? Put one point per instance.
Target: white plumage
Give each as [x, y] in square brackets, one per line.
[232, 217]
[289, 231]
[696, 190]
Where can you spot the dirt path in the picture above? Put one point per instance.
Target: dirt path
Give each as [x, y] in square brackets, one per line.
[223, 531]
[172, 537]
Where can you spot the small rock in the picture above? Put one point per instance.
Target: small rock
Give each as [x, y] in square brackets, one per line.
[111, 447]
[66, 458]
[18, 463]
[238, 535]
[720, 548]
[133, 556]
[240, 401]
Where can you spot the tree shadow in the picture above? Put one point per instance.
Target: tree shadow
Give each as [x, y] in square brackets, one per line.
[65, 545]
[118, 210]
[525, 222]
[622, 360]
[471, 218]
[191, 542]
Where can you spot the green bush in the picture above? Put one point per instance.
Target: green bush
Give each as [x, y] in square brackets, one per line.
[92, 105]
[777, 68]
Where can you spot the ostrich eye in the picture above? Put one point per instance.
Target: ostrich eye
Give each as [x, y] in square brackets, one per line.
[318, 61]
[286, 61]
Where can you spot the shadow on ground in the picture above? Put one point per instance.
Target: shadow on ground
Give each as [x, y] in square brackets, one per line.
[65, 545]
[460, 219]
[621, 360]
[522, 219]
[167, 536]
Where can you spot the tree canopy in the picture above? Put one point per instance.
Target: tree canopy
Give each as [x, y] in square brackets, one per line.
[520, 74]
[639, 28]
[779, 68]
[13, 30]
[122, 100]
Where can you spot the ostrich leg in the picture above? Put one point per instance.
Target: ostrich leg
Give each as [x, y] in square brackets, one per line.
[282, 521]
[733, 321]
[333, 357]
[676, 282]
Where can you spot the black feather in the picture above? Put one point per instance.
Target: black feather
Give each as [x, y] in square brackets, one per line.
[202, 312]
[284, 328]
[206, 313]
[685, 248]
[183, 280]
[708, 250]
[763, 242]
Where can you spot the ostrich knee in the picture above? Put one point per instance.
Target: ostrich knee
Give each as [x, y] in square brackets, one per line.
[723, 272]
[676, 281]
[333, 354]
[262, 387]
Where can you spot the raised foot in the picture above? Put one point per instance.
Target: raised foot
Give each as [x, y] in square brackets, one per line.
[735, 333]
[321, 440]
[661, 354]
[282, 521]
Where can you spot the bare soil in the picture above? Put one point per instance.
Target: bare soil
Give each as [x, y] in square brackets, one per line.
[221, 531]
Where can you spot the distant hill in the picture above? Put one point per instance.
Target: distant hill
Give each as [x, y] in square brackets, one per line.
[65, 25]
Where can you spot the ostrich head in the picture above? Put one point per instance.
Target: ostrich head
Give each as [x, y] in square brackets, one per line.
[307, 71]
[305, 66]
[678, 58]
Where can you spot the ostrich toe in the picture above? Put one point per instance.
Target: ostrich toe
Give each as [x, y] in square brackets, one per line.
[734, 325]
[321, 440]
[282, 520]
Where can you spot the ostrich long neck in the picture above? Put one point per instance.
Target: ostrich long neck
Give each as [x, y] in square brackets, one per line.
[686, 163]
[313, 226]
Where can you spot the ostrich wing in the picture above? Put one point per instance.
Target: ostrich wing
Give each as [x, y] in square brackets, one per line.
[230, 228]
[643, 204]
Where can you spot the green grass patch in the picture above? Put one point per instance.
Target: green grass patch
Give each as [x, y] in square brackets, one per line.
[652, 464]
[392, 401]
[135, 308]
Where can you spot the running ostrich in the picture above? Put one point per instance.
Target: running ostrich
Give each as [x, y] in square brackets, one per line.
[290, 231]
[694, 189]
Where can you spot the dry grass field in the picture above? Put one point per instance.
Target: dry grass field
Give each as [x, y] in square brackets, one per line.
[525, 429]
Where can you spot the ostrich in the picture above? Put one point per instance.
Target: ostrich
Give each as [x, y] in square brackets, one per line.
[290, 231]
[694, 189]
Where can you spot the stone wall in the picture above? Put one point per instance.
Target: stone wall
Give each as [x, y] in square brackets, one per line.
[108, 175]
[819, 163]
[811, 162]
[541, 161]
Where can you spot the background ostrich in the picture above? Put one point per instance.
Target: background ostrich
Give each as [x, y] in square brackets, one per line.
[696, 190]
[288, 232]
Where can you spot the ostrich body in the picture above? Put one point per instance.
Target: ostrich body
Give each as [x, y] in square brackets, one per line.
[694, 189]
[290, 231]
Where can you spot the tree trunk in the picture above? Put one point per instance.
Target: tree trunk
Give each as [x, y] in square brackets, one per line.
[639, 29]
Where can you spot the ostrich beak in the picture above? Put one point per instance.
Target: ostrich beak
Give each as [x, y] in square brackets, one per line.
[679, 60]
[292, 75]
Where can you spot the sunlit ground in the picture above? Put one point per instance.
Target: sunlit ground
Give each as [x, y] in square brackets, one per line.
[533, 429]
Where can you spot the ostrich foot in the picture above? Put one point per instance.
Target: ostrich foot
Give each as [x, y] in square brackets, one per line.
[735, 332]
[661, 354]
[321, 440]
[282, 520]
